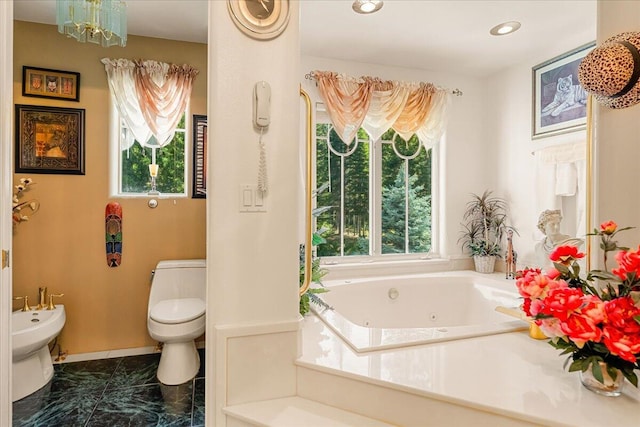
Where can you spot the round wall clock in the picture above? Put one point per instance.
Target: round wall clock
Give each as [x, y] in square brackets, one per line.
[260, 19]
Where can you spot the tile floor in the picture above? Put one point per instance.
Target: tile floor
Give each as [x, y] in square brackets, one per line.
[113, 392]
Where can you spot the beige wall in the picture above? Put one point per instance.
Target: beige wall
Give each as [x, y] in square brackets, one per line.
[63, 245]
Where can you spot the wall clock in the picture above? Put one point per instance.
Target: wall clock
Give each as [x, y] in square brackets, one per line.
[260, 19]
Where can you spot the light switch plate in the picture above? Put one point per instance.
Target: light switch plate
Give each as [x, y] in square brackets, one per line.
[251, 199]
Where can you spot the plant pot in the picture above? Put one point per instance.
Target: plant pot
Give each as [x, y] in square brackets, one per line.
[484, 264]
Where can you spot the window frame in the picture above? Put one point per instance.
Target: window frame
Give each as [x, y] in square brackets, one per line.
[375, 203]
[115, 159]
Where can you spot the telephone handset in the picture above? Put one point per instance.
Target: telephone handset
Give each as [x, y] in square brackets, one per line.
[261, 104]
[261, 120]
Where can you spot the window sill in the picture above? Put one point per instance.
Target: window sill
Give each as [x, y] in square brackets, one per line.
[368, 267]
[149, 196]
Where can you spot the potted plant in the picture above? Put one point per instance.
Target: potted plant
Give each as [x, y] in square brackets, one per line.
[485, 223]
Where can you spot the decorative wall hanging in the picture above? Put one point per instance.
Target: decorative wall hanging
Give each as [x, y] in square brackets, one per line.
[45, 83]
[113, 233]
[199, 157]
[559, 101]
[49, 140]
[611, 72]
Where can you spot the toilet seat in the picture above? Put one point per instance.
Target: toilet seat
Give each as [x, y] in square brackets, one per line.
[180, 310]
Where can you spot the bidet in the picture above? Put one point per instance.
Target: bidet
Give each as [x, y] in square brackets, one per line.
[31, 331]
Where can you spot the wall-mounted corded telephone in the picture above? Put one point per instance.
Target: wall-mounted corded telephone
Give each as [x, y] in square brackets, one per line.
[261, 120]
[261, 104]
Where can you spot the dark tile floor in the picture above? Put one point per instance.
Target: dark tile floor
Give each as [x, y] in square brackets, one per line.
[113, 392]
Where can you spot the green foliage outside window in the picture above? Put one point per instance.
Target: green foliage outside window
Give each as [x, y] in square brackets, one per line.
[396, 198]
[170, 159]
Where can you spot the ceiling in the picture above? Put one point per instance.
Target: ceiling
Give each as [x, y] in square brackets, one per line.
[444, 36]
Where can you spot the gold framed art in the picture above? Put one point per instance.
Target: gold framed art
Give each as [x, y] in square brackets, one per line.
[49, 140]
[46, 83]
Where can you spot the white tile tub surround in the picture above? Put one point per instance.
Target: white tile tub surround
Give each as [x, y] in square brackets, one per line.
[396, 311]
[507, 375]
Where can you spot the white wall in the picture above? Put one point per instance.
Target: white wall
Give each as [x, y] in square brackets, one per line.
[509, 95]
[252, 258]
[616, 139]
[469, 162]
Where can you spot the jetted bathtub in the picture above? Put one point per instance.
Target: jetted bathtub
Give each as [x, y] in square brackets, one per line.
[398, 311]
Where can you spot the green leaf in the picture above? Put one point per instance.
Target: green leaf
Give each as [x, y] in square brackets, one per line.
[316, 239]
[630, 376]
[597, 372]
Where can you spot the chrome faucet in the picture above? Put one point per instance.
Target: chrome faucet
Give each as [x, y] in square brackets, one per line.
[42, 298]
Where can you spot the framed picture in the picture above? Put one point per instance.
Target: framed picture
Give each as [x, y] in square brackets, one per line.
[559, 102]
[45, 83]
[49, 140]
[199, 157]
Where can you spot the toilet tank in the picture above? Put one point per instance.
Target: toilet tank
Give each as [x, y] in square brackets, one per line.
[185, 278]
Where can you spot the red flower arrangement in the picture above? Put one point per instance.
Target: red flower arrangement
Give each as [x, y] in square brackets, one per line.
[595, 320]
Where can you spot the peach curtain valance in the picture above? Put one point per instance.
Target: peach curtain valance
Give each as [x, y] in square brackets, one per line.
[378, 105]
[150, 96]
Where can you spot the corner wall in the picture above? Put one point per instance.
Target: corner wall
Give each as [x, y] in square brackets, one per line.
[616, 145]
[62, 246]
[252, 257]
[509, 115]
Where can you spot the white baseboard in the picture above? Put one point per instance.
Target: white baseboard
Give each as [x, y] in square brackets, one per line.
[110, 354]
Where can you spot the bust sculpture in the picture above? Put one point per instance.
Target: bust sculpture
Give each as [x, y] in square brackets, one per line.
[549, 224]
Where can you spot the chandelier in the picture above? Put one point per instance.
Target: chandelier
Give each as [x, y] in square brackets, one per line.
[102, 22]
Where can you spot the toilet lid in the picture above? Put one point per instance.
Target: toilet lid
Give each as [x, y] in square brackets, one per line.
[177, 310]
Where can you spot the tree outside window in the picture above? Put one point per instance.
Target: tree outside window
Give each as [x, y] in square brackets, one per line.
[351, 171]
[135, 161]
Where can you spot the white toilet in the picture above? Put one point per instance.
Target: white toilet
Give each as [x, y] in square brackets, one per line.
[176, 317]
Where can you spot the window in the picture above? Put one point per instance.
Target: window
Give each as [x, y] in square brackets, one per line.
[377, 195]
[133, 176]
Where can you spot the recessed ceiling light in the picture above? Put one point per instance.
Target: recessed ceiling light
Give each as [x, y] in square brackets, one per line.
[367, 6]
[505, 28]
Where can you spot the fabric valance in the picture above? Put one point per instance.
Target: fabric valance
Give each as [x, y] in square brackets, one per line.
[151, 98]
[378, 105]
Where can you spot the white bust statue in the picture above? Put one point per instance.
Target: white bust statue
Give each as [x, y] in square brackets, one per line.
[549, 224]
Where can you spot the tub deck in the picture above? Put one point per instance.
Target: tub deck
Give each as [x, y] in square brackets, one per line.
[508, 374]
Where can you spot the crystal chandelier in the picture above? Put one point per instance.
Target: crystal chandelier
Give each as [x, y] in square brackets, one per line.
[102, 22]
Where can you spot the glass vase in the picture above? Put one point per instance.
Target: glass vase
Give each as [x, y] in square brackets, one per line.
[609, 386]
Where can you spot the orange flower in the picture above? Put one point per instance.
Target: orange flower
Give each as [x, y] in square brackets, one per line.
[608, 227]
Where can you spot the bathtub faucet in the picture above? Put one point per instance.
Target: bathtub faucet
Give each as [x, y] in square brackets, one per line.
[511, 257]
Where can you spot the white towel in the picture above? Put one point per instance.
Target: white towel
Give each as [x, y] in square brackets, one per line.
[546, 197]
[566, 179]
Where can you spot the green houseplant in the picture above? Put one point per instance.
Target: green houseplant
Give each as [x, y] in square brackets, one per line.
[317, 273]
[483, 228]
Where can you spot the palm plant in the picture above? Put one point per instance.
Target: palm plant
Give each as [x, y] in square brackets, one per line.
[317, 273]
[485, 223]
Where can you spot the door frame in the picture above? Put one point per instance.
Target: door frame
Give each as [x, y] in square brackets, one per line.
[6, 194]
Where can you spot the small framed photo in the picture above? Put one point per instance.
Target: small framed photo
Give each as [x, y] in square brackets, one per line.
[199, 157]
[49, 140]
[45, 83]
[559, 101]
